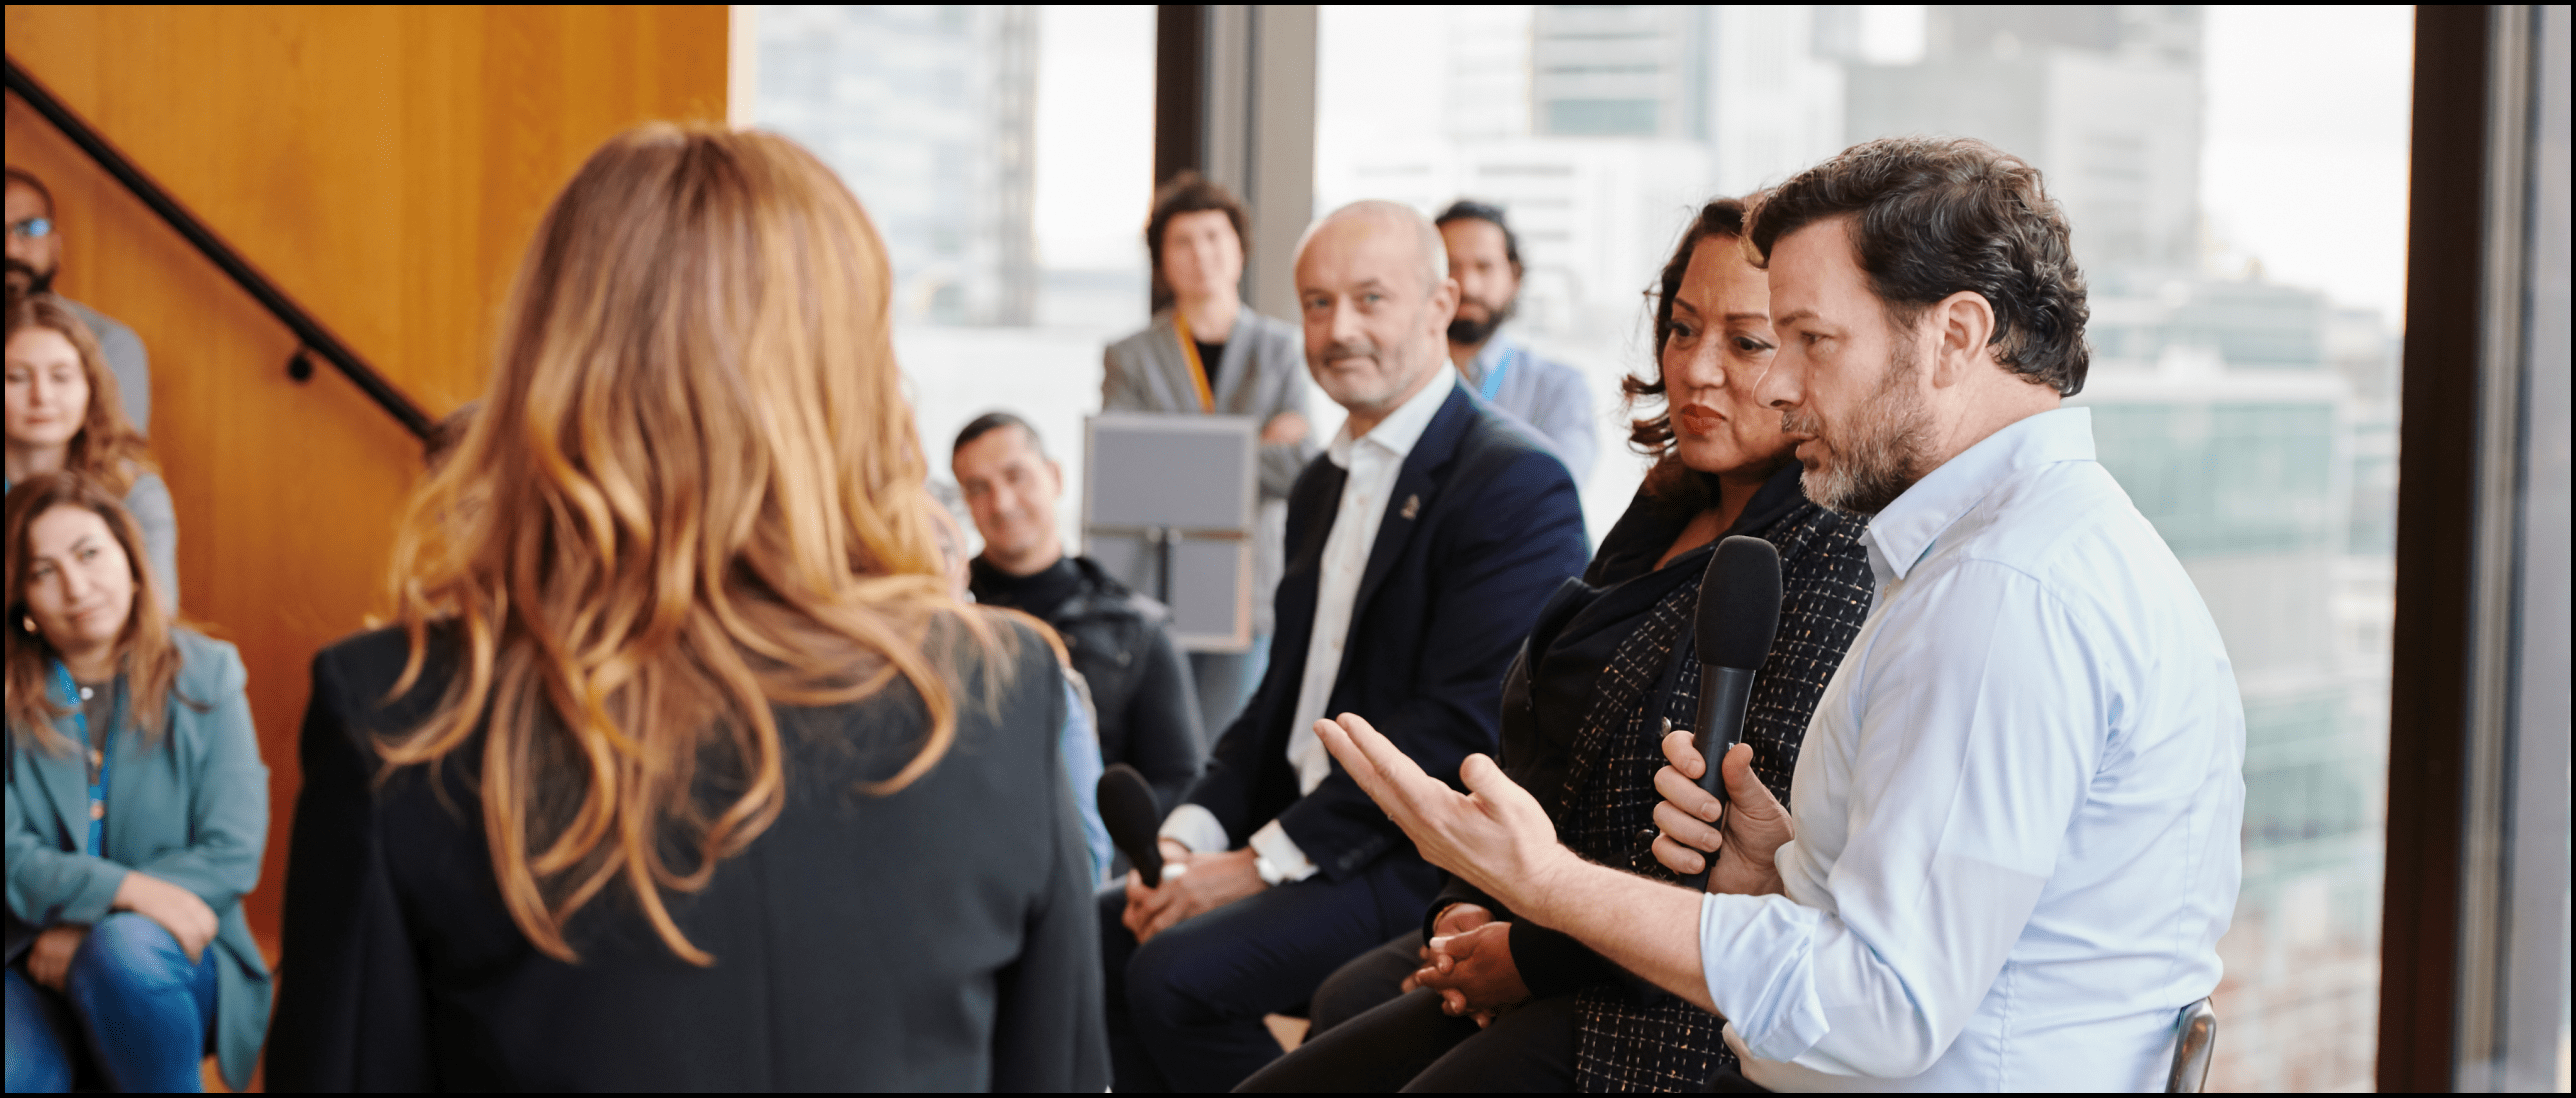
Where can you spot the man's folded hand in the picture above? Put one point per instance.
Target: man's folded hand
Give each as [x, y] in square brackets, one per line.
[1193, 884]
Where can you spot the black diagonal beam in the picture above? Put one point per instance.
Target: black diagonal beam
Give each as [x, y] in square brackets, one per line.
[308, 331]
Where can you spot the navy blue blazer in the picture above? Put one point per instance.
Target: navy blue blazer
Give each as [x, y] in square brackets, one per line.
[1482, 526]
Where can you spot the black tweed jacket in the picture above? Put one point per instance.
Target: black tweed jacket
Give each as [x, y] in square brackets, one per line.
[1611, 659]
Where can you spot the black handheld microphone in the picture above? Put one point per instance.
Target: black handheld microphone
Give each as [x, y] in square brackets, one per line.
[1129, 811]
[1739, 613]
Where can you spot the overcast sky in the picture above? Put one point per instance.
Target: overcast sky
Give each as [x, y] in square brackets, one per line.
[1095, 134]
[2304, 166]
[2304, 162]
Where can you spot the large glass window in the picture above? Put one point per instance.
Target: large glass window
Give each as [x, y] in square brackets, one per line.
[1006, 155]
[2236, 179]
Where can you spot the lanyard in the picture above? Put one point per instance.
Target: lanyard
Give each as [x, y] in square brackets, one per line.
[98, 759]
[1198, 369]
[1494, 380]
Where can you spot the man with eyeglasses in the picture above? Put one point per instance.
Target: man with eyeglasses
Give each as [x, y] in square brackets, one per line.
[35, 256]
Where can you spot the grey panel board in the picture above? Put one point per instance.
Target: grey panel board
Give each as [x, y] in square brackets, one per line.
[1191, 479]
[1126, 556]
[1211, 592]
[1192, 472]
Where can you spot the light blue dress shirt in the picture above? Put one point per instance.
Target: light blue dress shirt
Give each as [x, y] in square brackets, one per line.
[1078, 741]
[2017, 805]
[1544, 395]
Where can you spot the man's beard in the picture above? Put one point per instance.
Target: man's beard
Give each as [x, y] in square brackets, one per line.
[1879, 456]
[23, 279]
[1473, 333]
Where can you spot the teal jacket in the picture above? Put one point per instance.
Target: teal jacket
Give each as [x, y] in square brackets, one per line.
[190, 808]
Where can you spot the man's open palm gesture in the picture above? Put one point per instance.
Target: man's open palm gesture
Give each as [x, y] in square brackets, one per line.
[1496, 837]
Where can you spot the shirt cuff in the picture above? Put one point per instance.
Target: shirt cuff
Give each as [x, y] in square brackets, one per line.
[1273, 844]
[1757, 955]
[1195, 827]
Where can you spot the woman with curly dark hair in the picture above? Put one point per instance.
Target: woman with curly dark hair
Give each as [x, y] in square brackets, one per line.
[1495, 1002]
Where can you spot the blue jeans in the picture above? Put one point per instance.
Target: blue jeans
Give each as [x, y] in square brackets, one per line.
[131, 1001]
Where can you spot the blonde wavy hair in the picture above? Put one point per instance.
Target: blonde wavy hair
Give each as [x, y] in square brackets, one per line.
[692, 491]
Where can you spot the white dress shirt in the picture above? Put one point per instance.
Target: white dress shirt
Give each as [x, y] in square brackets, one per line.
[1372, 461]
[2017, 805]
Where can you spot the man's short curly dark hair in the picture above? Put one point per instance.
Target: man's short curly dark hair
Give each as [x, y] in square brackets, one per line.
[1935, 216]
[1468, 209]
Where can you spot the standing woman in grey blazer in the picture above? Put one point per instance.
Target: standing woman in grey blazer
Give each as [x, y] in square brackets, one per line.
[1208, 353]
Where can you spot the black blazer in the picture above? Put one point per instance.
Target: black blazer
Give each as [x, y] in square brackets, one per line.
[941, 938]
[1482, 525]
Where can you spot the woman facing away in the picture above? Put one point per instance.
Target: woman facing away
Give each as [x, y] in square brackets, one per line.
[683, 768]
[1207, 353]
[137, 814]
[64, 413]
[1493, 1002]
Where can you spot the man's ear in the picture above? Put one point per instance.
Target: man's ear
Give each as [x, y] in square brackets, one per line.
[1443, 305]
[1961, 324]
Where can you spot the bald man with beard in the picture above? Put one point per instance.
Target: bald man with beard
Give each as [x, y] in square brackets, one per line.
[1421, 546]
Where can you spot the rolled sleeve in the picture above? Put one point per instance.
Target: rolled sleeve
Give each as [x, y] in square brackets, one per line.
[1766, 944]
[1962, 782]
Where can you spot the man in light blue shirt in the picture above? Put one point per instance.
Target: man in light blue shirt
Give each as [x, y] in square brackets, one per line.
[1485, 261]
[2012, 848]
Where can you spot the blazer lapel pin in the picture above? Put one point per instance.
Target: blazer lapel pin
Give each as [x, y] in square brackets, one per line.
[1412, 506]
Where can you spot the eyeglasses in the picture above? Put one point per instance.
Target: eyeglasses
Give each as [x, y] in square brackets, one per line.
[34, 228]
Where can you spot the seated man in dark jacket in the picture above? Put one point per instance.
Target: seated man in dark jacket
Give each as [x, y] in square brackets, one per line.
[1149, 713]
[1420, 549]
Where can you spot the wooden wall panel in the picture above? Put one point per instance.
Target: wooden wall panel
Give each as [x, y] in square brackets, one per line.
[385, 167]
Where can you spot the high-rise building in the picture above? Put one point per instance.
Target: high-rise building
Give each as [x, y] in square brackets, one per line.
[1748, 82]
[1631, 70]
[2250, 420]
[929, 113]
[2105, 99]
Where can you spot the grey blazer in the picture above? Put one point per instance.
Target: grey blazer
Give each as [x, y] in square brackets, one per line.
[190, 807]
[149, 502]
[1263, 374]
[126, 359]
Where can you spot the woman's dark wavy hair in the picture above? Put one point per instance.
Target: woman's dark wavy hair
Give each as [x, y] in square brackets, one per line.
[1652, 434]
[1189, 192]
[1934, 216]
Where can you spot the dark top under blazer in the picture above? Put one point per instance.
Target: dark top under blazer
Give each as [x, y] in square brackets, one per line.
[940, 938]
[1482, 525]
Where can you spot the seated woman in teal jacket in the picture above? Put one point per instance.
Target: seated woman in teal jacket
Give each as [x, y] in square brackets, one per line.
[137, 811]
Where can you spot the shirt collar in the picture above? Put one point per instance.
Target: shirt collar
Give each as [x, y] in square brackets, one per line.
[1397, 433]
[1489, 356]
[1901, 535]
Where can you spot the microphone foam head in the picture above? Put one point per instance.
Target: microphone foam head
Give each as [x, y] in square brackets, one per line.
[1739, 604]
[1127, 806]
